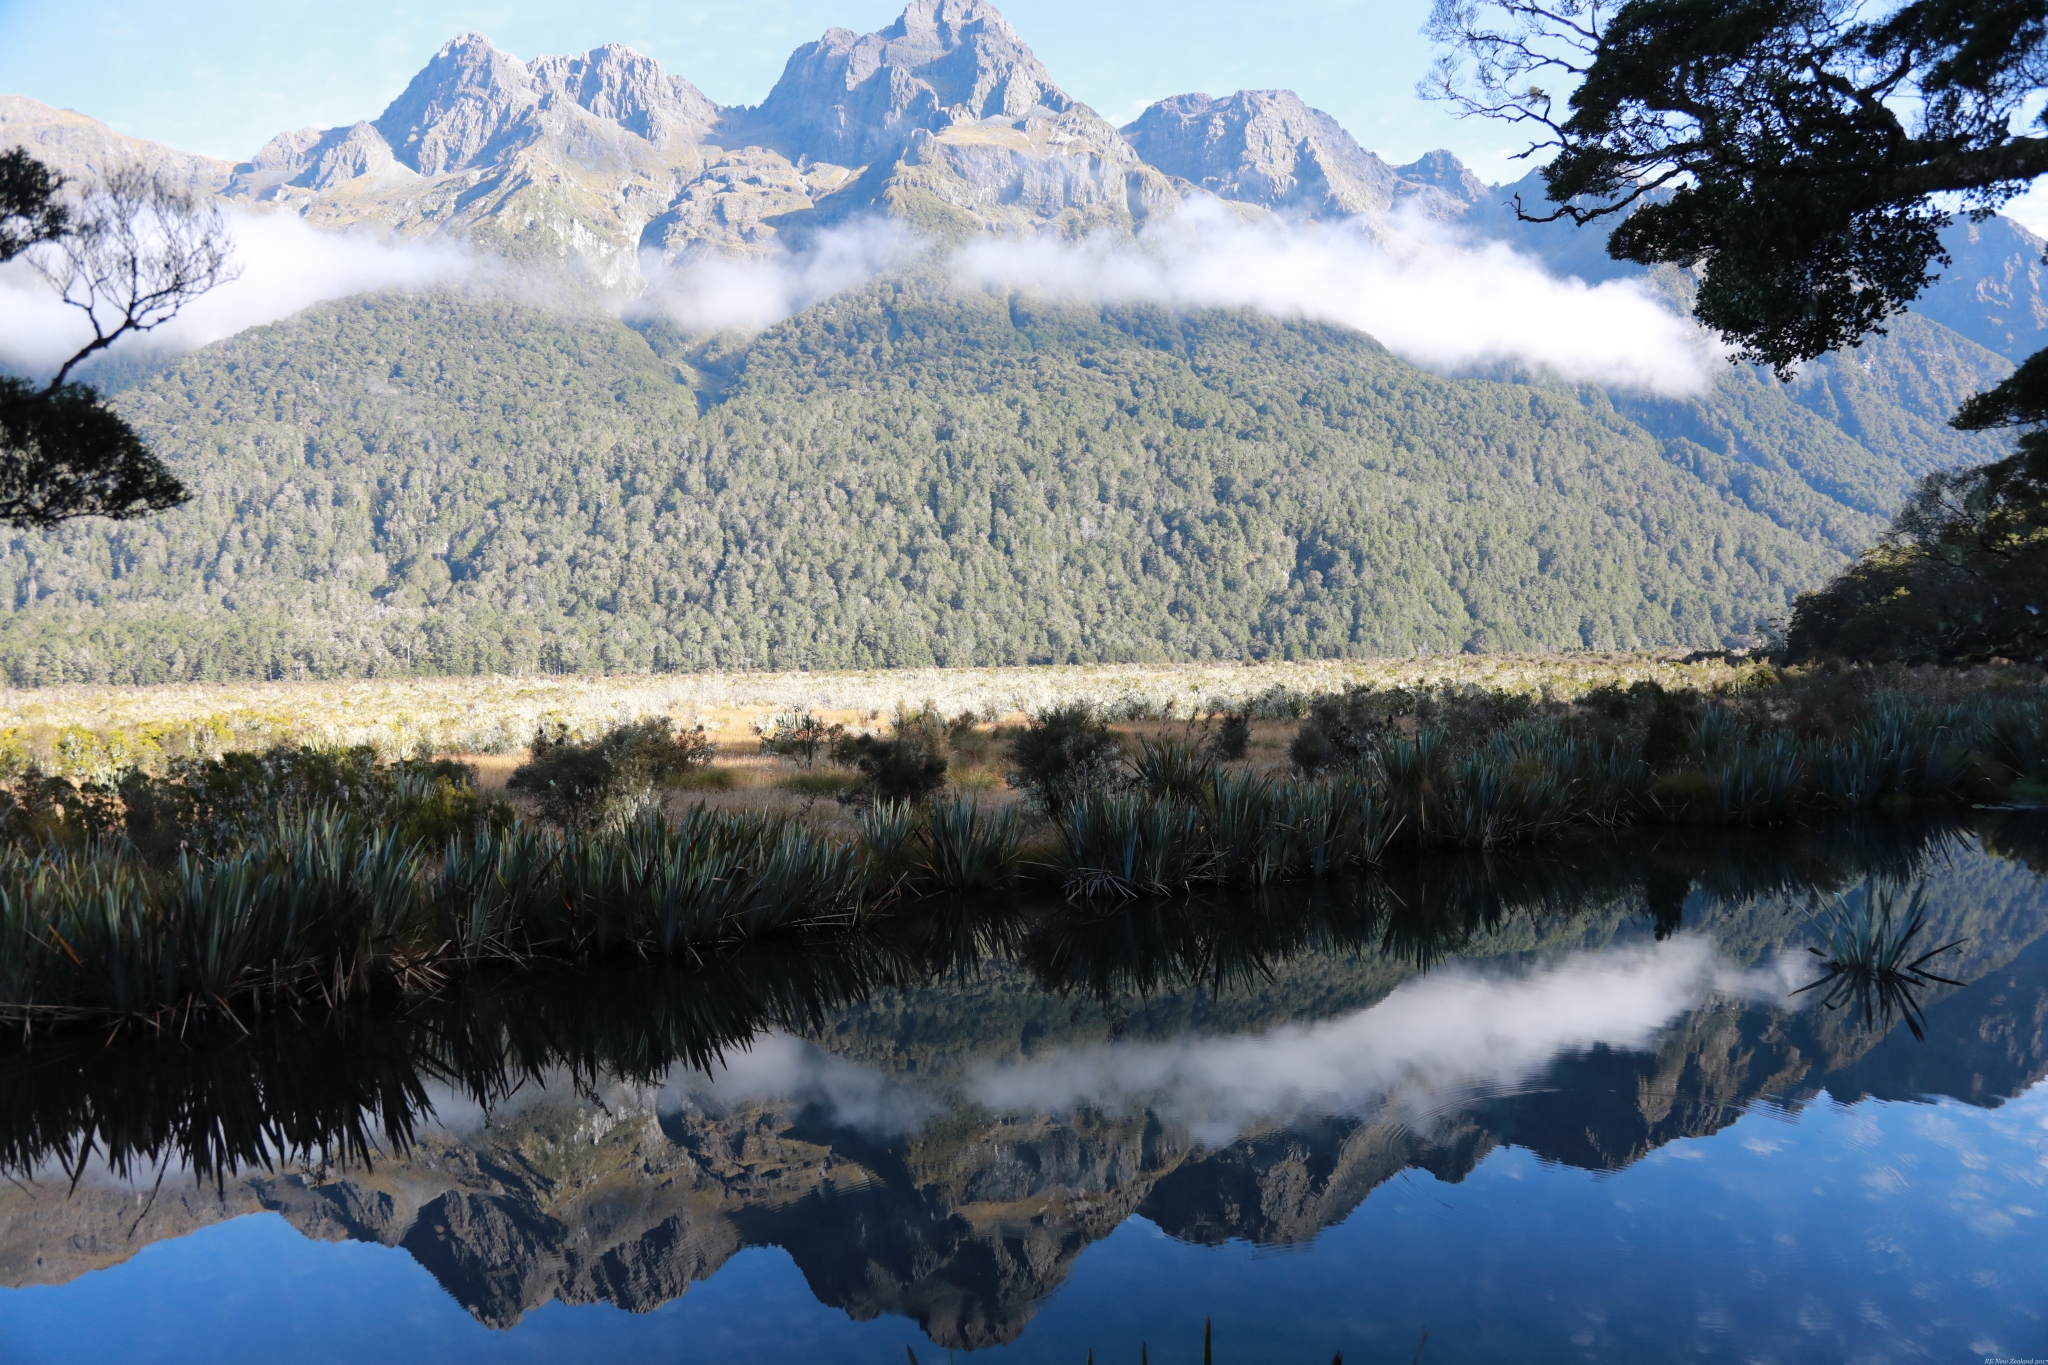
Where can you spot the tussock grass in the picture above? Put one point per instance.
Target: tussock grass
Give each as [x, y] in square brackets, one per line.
[325, 907]
[1870, 964]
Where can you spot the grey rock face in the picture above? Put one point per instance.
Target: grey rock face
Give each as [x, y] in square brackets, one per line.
[83, 148]
[1995, 291]
[460, 107]
[730, 203]
[620, 86]
[1267, 147]
[320, 160]
[1264, 147]
[1441, 186]
[850, 98]
[472, 102]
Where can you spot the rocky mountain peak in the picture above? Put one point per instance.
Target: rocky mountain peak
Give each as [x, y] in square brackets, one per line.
[469, 101]
[1264, 147]
[1440, 185]
[622, 86]
[461, 103]
[849, 98]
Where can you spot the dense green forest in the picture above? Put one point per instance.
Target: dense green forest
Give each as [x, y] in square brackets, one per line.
[908, 475]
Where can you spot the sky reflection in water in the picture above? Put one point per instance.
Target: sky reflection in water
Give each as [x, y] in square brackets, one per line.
[1578, 1141]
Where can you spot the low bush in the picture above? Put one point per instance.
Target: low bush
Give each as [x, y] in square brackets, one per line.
[1062, 753]
[212, 806]
[1231, 738]
[1172, 766]
[582, 783]
[971, 849]
[908, 765]
[799, 735]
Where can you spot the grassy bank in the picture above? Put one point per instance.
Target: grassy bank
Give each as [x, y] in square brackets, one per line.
[296, 879]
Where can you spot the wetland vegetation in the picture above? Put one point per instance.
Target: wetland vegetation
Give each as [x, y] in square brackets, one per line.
[302, 879]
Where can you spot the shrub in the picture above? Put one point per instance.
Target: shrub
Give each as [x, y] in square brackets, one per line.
[1230, 739]
[969, 743]
[218, 804]
[1124, 844]
[971, 849]
[1339, 732]
[1169, 766]
[799, 735]
[602, 781]
[909, 766]
[889, 834]
[1063, 752]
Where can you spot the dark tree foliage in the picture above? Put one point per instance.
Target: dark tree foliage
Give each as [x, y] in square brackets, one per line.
[1963, 572]
[63, 452]
[1790, 149]
[30, 211]
[2020, 400]
[1961, 575]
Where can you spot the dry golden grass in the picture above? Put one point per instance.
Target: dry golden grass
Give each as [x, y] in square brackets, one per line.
[92, 731]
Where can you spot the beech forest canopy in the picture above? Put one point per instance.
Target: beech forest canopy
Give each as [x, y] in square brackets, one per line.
[909, 474]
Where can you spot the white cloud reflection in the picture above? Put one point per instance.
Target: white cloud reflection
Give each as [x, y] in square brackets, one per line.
[1435, 1044]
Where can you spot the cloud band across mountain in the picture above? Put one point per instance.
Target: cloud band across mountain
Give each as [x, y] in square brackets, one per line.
[1432, 300]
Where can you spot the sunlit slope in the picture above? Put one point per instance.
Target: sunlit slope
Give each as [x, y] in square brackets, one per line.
[906, 476]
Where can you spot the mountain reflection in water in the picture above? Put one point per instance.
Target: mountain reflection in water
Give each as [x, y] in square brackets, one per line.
[936, 1121]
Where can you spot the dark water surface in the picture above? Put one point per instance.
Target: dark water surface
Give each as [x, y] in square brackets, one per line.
[1556, 1107]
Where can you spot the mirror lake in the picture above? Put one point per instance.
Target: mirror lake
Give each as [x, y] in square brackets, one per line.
[1558, 1105]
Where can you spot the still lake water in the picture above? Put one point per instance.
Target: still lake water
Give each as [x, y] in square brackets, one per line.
[1559, 1107]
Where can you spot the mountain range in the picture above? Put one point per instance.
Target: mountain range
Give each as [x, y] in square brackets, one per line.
[903, 472]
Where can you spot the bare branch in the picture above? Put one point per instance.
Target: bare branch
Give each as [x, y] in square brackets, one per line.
[137, 248]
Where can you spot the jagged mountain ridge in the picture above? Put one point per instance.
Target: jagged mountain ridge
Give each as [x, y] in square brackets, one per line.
[1267, 147]
[945, 119]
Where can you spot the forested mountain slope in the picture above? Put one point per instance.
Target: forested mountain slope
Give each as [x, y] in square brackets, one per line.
[907, 474]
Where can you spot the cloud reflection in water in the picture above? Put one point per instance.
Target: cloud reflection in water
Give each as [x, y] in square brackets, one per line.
[1435, 1043]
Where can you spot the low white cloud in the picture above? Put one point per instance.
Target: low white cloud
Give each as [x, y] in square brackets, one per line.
[1447, 304]
[285, 265]
[1434, 1045]
[1433, 299]
[778, 1067]
[720, 293]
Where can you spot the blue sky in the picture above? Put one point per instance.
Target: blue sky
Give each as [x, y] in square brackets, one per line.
[223, 77]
